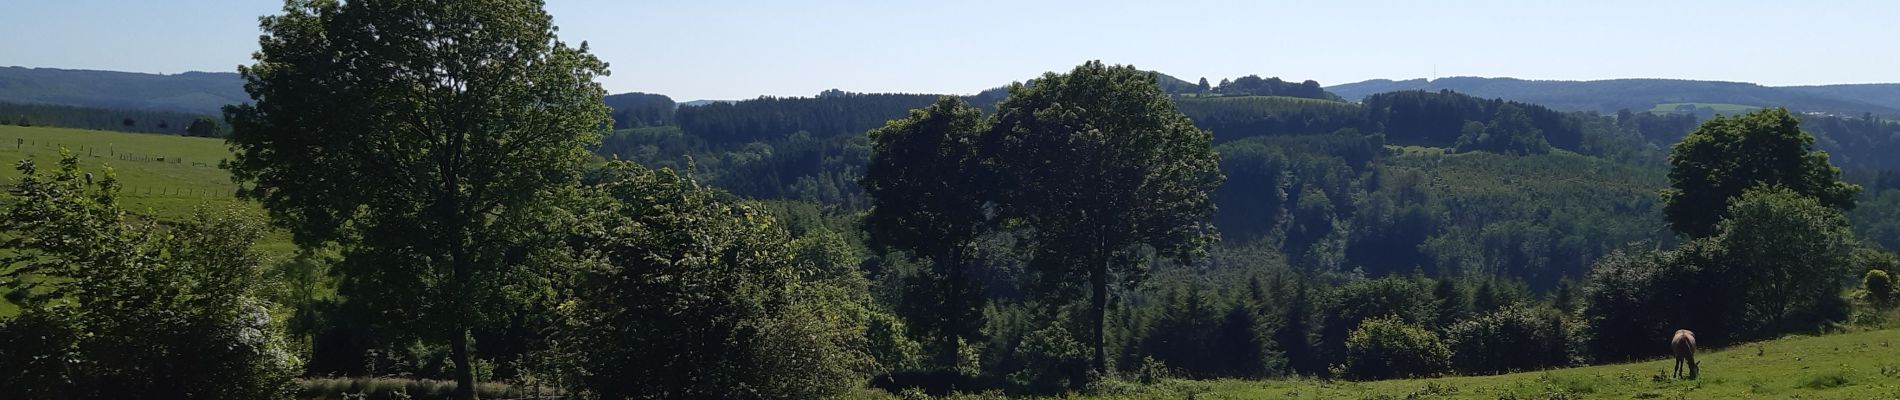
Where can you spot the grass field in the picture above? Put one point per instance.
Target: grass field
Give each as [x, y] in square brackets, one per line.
[1861, 365]
[188, 176]
[1720, 108]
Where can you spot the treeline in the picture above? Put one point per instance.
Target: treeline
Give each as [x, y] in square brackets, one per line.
[1253, 85]
[1232, 118]
[1342, 202]
[1440, 119]
[165, 122]
[768, 118]
[1863, 142]
[1262, 309]
[640, 110]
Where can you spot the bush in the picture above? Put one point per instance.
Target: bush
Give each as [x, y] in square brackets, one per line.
[1386, 347]
[1512, 339]
[1777, 265]
[1052, 361]
[1879, 287]
[685, 292]
[117, 308]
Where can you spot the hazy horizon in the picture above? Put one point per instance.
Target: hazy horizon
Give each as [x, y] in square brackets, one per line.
[747, 49]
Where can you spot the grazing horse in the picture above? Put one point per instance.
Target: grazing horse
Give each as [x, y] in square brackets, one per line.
[1683, 344]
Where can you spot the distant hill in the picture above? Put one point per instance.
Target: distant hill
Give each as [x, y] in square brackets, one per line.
[190, 92]
[1885, 94]
[635, 110]
[1643, 94]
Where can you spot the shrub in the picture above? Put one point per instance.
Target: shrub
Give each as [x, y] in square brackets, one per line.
[1879, 287]
[1386, 347]
[1052, 361]
[685, 292]
[116, 308]
[1512, 339]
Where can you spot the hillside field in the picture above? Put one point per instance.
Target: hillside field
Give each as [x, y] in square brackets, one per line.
[1860, 365]
[1720, 108]
[169, 190]
[187, 177]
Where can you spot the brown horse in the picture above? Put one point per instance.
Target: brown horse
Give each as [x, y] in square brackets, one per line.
[1683, 344]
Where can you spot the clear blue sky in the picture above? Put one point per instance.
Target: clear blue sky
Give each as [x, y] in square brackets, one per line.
[741, 49]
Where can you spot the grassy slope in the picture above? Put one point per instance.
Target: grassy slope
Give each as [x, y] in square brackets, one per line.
[169, 190]
[1718, 107]
[1861, 365]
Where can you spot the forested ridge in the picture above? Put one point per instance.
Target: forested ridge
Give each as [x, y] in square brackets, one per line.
[1085, 231]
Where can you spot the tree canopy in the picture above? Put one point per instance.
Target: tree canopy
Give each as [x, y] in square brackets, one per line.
[1134, 181]
[1727, 156]
[430, 139]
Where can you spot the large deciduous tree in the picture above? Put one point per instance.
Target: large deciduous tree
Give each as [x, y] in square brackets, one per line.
[1729, 155]
[428, 138]
[928, 197]
[1104, 174]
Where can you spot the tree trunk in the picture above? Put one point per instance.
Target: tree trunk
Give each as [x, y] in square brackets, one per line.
[461, 271]
[953, 296]
[1098, 310]
[464, 370]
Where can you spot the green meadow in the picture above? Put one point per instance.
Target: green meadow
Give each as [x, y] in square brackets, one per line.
[1859, 365]
[1720, 108]
[163, 177]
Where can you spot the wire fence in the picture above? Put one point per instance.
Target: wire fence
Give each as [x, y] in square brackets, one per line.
[135, 190]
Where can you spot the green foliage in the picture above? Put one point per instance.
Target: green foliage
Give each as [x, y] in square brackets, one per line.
[639, 110]
[1608, 96]
[1201, 336]
[1348, 306]
[1778, 265]
[1387, 347]
[1234, 118]
[1515, 338]
[1053, 360]
[114, 307]
[1730, 155]
[204, 127]
[929, 198]
[1879, 286]
[1253, 85]
[1791, 255]
[398, 130]
[1135, 180]
[1438, 119]
[684, 292]
[1510, 132]
[109, 119]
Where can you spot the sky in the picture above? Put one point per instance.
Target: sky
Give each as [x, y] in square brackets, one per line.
[714, 49]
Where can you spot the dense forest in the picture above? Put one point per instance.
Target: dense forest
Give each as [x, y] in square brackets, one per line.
[1087, 228]
[110, 119]
[1606, 96]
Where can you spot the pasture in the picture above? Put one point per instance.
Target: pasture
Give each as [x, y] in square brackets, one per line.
[163, 177]
[1720, 108]
[1859, 365]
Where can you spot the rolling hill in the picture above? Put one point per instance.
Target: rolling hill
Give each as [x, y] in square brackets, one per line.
[1608, 96]
[190, 92]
